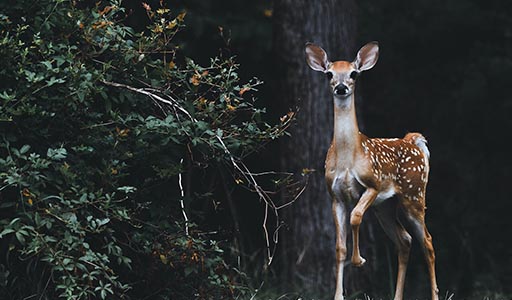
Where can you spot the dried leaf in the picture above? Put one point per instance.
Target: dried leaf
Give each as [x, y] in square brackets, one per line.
[26, 192]
[163, 259]
[106, 10]
[181, 16]
[171, 24]
[202, 101]
[195, 257]
[162, 11]
[243, 90]
[158, 29]
[287, 117]
[122, 132]
[195, 79]
[307, 171]
[146, 6]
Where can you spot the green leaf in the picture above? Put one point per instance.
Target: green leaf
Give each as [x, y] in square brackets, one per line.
[47, 64]
[20, 237]
[54, 80]
[57, 154]
[6, 231]
[37, 219]
[127, 189]
[102, 222]
[14, 221]
[24, 149]
[7, 97]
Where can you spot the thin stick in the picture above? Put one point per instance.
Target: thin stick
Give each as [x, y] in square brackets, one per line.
[181, 201]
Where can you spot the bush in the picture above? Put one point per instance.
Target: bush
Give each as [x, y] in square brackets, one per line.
[109, 139]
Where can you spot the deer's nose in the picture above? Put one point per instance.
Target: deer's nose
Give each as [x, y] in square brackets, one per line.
[341, 89]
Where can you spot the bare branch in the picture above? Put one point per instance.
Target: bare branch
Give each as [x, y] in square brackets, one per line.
[145, 91]
[181, 201]
[235, 162]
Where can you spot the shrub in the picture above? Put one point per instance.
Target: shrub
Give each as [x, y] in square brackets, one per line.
[107, 138]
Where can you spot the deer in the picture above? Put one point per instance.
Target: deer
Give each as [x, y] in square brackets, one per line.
[363, 172]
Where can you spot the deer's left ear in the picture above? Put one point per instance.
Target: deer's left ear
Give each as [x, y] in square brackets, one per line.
[367, 56]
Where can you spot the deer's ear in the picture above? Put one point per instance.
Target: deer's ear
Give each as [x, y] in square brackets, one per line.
[316, 58]
[367, 56]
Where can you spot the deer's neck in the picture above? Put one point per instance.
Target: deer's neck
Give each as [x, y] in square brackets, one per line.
[346, 138]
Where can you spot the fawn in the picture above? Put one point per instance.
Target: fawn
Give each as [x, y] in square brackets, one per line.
[370, 171]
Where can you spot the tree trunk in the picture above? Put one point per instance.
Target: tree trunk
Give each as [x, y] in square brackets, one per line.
[307, 247]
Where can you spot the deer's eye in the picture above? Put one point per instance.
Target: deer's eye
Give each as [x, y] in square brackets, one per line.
[354, 74]
[329, 75]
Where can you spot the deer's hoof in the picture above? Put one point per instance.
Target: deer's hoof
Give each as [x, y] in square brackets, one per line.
[358, 261]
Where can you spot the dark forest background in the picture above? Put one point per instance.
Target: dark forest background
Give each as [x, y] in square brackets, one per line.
[445, 70]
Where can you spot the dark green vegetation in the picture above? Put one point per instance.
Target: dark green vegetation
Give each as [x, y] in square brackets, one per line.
[105, 132]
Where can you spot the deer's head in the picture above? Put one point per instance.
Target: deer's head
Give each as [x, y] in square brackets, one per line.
[342, 74]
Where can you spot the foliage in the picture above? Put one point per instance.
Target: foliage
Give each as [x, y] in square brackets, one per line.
[104, 133]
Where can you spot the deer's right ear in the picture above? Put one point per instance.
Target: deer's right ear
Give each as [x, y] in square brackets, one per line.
[316, 58]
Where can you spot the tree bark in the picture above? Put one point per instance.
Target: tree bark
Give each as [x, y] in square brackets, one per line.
[307, 247]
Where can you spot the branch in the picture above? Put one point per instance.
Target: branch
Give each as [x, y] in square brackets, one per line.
[145, 91]
[235, 162]
[181, 201]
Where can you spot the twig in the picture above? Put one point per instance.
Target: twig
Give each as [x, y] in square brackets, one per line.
[145, 91]
[294, 198]
[181, 201]
[257, 290]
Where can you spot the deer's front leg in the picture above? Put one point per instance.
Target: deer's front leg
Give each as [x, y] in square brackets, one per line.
[339, 212]
[356, 217]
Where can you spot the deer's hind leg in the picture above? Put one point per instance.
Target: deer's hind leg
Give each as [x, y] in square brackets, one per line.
[387, 216]
[415, 212]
